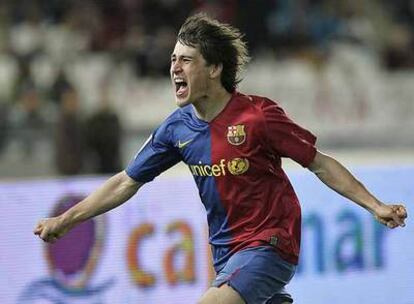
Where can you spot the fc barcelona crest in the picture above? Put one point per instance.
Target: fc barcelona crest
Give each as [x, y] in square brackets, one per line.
[236, 135]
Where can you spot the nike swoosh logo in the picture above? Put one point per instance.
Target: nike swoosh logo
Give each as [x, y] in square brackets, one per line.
[183, 144]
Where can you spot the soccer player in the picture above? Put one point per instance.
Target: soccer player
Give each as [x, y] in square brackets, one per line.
[233, 144]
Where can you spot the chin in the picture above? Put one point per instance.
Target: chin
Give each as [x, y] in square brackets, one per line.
[182, 102]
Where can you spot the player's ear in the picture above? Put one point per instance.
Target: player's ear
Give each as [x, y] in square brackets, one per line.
[215, 70]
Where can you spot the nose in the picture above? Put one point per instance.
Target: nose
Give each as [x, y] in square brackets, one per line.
[176, 67]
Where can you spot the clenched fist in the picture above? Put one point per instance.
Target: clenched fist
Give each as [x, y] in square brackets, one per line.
[51, 229]
[391, 215]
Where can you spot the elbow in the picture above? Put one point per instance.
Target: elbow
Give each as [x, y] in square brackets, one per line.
[128, 184]
[323, 166]
[318, 165]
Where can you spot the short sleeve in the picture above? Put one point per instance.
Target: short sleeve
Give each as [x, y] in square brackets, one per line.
[285, 138]
[155, 156]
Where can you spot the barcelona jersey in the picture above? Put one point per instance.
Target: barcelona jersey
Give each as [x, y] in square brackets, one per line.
[235, 160]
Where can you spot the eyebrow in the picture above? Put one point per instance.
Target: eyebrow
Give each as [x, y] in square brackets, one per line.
[182, 56]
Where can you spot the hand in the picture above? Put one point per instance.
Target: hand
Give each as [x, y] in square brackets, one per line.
[391, 215]
[50, 229]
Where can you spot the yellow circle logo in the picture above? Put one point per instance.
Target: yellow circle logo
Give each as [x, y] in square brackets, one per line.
[238, 166]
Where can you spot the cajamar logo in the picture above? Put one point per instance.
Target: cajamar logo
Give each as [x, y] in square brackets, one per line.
[236, 135]
[72, 261]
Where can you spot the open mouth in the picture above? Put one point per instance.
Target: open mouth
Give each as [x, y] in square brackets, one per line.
[180, 87]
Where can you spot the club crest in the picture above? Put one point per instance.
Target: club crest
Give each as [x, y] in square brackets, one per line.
[236, 135]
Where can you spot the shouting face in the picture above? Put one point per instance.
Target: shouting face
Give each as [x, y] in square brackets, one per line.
[190, 75]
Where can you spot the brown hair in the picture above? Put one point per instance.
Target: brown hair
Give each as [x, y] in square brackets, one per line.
[218, 43]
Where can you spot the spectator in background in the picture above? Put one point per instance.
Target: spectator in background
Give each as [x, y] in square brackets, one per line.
[103, 138]
[298, 28]
[69, 139]
[158, 57]
[3, 124]
[399, 51]
[60, 85]
[29, 119]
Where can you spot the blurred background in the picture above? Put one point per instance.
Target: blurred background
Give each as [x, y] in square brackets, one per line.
[83, 84]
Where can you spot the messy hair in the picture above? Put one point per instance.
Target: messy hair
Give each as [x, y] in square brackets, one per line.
[218, 43]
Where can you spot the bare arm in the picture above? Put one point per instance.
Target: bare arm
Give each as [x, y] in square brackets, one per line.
[338, 178]
[114, 192]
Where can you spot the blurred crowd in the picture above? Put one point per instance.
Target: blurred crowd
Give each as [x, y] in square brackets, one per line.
[41, 39]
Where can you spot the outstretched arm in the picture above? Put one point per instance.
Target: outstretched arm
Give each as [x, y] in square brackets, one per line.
[338, 178]
[114, 192]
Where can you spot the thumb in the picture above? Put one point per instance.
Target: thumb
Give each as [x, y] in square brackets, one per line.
[397, 219]
[38, 229]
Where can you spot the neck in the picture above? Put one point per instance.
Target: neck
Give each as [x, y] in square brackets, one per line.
[211, 105]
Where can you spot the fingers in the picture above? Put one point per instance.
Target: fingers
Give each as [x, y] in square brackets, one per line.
[393, 216]
[381, 220]
[399, 213]
[48, 236]
[396, 219]
[392, 224]
[45, 235]
[37, 230]
[43, 230]
[39, 227]
[389, 223]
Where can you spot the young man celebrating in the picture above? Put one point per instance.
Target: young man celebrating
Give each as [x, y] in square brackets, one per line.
[233, 144]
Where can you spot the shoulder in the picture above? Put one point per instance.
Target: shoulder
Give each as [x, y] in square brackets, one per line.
[180, 115]
[259, 104]
[176, 117]
[256, 101]
[164, 131]
[174, 123]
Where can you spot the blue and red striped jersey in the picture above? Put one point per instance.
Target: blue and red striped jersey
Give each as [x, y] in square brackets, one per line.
[236, 163]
